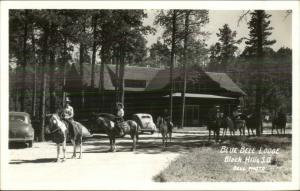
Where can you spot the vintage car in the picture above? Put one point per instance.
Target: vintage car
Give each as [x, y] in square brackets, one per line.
[20, 128]
[145, 121]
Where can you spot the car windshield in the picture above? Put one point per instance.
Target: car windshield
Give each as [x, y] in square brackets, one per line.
[146, 117]
[18, 118]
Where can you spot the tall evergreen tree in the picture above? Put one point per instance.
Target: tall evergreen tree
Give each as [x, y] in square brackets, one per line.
[224, 50]
[258, 40]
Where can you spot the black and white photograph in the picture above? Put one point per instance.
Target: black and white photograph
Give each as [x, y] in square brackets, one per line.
[168, 95]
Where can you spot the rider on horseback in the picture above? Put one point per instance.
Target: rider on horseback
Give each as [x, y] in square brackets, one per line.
[237, 113]
[119, 117]
[215, 112]
[166, 116]
[68, 114]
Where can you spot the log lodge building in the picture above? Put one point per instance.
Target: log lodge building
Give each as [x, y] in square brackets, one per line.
[147, 91]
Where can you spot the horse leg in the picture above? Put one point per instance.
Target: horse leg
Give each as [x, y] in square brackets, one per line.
[80, 148]
[111, 144]
[114, 145]
[248, 131]
[217, 135]
[64, 149]
[133, 137]
[74, 149]
[58, 151]
[224, 131]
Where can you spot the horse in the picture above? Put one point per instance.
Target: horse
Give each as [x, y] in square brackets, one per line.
[228, 124]
[214, 125]
[250, 122]
[165, 128]
[59, 130]
[107, 121]
[279, 122]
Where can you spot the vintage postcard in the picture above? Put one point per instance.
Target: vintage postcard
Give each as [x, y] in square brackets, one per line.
[149, 95]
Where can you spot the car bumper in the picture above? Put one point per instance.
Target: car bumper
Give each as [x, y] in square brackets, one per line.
[20, 139]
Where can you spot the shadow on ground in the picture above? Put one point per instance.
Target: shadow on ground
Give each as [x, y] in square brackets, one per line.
[183, 144]
[151, 145]
[40, 160]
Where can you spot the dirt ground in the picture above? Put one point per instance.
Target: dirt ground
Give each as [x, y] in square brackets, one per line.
[35, 168]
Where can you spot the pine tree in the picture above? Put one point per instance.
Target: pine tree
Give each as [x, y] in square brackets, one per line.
[258, 40]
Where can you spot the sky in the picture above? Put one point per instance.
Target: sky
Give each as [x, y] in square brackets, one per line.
[281, 33]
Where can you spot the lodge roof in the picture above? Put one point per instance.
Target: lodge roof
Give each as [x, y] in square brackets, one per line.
[156, 78]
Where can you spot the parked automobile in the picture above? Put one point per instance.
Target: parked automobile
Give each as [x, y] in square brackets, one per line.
[20, 128]
[145, 121]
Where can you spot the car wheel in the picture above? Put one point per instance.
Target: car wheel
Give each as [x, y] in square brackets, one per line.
[30, 143]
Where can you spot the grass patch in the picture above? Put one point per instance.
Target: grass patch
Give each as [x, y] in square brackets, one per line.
[207, 163]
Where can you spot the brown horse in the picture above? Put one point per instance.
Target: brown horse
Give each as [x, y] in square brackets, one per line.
[59, 131]
[165, 128]
[107, 121]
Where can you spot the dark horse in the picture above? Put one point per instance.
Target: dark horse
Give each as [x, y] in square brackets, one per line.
[59, 131]
[214, 124]
[107, 121]
[279, 122]
[251, 123]
[165, 128]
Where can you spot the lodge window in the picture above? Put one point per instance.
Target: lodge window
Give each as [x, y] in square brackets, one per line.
[135, 83]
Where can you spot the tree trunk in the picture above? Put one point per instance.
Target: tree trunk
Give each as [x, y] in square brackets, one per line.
[185, 45]
[258, 93]
[101, 86]
[121, 80]
[64, 69]
[43, 85]
[51, 75]
[94, 21]
[172, 62]
[117, 75]
[16, 93]
[33, 109]
[23, 87]
[81, 61]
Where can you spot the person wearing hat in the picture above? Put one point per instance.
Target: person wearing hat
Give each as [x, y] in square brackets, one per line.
[120, 110]
[214, 112]
[167, 117]
[68, 114]
[237, 112]
[120, 115]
